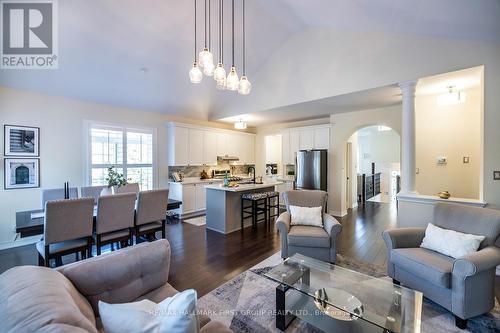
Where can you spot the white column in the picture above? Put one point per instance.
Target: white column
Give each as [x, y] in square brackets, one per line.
[408, 164]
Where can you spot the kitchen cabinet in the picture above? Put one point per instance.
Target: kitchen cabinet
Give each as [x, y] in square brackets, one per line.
[285, 147]
[306, 139]
[192, 194]
[294, 144]
[178, 147]
[210, 148]
[196, 147]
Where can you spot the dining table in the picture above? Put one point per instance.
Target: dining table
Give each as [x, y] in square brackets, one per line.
[30, 222]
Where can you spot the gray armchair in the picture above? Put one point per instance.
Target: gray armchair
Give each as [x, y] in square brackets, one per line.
[464, 286]
[315, 242]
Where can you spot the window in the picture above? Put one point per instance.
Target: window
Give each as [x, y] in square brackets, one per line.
[130, 150]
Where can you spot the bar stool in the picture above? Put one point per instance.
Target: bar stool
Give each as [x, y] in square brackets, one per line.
[273, 204]
[258, 205]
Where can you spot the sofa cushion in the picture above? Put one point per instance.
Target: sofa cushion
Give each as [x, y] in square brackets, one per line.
[308, 216]
[121, 276]
[457, 244]
[41, 299]
[174, 314]
[432, 266]
[308, 236]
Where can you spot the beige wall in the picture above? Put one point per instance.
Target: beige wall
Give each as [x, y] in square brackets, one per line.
[452, 131]
[61, 123]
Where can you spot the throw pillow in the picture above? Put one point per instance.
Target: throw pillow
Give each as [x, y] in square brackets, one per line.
[449, 242]
[176, 314]
[310, 216]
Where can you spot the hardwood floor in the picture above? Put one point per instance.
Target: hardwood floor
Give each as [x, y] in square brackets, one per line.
[204, 259]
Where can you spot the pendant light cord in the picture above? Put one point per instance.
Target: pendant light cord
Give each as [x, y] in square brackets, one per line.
[205, 23]
[209, 25]
[244, 42]
[194, 30]
[222, 31]
[232, 22]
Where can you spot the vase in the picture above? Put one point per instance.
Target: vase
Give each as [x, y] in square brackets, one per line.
[107, 191]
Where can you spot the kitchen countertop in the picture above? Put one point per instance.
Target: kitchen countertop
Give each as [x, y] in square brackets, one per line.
[196, 180]
[242, 188]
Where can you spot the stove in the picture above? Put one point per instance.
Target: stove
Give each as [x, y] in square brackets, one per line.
[220, 174]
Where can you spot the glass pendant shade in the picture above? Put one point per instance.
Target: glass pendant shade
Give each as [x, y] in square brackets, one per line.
[220, 72]
[208, 70]
[221, 84]
[195, 74]
[205, 56]
[244, 86]
[232, 80]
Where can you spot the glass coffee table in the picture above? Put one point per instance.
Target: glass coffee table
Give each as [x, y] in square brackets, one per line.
[336, 299]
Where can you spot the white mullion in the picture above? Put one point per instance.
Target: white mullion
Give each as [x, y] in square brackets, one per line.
[124, 152]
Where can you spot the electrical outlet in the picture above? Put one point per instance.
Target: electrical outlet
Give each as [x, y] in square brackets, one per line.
[496, 175]
[466, 159]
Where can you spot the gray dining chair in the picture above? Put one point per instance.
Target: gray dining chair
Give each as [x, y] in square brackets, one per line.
[151, 213]
[129, 188]
[114, 219]
[68, 228]
[91, 191]
[57, 194]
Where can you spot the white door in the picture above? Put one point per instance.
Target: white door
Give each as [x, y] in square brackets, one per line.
[180, 146]
[188, 198]
[196, 147]
[294, 145]
[322, 138]
[200, 197]
[210, 150]
[306, 139]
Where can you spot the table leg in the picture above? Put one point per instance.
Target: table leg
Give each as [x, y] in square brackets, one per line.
[283, 317]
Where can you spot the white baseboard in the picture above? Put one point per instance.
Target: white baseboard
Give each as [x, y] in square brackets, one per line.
[20, 242]
[337, 213]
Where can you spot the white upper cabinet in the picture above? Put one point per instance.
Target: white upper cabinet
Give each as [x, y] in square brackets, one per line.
[322, 138]
[196, 147]
[303, 138]
[178, 146]
[294, 144]
[210, 151]
[285, 147]
[306, 139]
[221, 144]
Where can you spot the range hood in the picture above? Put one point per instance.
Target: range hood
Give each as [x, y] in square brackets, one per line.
[228, 158]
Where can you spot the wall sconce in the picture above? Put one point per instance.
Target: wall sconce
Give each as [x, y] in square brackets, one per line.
[452, 97]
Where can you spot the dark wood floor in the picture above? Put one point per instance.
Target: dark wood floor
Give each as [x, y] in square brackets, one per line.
[203, 259]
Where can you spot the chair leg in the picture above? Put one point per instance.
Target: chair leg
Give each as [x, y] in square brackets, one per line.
[242, 213]
[98, 245]
[46, 257]
[59, 261]
[460, 323]
[89, 247]
[163, 235]
[41, 261]
[137, 238]
[83, 254]
[254, 214]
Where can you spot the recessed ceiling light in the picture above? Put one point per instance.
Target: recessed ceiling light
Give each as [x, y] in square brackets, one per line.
[143, 70]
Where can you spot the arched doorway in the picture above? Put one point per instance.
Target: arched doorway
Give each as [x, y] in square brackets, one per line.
[372, 165]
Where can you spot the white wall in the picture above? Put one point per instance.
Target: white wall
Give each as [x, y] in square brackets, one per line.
[61, 123]
[379, 147]
[452, 131]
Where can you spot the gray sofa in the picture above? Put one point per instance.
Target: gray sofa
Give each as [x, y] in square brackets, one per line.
[66, 299]
[464, 286]
[315, 242]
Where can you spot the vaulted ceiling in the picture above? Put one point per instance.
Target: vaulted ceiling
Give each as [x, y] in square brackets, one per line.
[137, 54]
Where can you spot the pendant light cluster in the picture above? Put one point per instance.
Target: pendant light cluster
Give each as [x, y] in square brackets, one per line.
[205, 59]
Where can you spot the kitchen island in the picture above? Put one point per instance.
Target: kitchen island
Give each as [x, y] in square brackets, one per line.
[224, 205]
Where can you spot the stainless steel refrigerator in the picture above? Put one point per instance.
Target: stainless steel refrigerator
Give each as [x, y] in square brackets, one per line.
[311, 170]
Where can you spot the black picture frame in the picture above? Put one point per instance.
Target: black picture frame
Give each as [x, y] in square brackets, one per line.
[7, 129]
[8, 170]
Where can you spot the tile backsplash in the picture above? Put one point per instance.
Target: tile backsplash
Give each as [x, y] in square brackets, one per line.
[194, 171]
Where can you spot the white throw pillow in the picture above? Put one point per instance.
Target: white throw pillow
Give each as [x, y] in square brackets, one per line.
[176, 314]
[449, 242]
[311, 216]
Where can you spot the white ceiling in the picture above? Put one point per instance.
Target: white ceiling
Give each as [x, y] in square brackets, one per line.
[103, 44]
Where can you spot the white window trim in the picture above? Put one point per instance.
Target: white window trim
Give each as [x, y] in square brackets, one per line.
[87, 152]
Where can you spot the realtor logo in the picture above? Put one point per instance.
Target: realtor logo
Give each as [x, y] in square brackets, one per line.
[29, 34]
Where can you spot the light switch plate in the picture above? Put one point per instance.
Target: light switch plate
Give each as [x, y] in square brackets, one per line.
[441, 160]
[466, 159]
[496, 175]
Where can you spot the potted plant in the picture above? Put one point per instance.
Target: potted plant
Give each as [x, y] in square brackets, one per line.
[114, 180]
